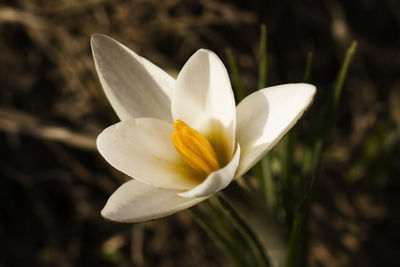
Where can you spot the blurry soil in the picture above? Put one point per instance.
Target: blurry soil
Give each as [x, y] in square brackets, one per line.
[53, 183]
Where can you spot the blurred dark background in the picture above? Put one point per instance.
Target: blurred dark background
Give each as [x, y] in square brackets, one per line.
[53, 183]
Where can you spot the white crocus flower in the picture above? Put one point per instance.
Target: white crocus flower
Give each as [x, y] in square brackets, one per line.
[183, 140]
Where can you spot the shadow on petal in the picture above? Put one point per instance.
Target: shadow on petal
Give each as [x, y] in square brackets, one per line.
[217, 180]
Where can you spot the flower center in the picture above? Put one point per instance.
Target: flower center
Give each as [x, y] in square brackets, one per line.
[194, 148]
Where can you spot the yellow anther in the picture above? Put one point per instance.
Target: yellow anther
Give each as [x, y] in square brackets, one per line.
[194, 148]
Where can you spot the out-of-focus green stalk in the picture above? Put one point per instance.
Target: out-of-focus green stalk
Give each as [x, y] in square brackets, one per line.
[307, 73]
[297, 238]
[311, 160]
[235, 254]
[264, 261]
[262, 170]
[297, 252]
[342, 76]
[307, 157]
[287, 153]
[268, 189]
[328, 118]
[286, 157]
[263, 173]
[263, 65]
[237, 81]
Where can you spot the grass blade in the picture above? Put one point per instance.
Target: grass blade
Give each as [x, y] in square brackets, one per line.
[263, 67]
[237, 81]
[262, 170]
[297, 238]
[337, 92]
[286, 158]
[268, 190]
[297, 255]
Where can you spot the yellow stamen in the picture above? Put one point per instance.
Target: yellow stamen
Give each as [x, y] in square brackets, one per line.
[194, 148]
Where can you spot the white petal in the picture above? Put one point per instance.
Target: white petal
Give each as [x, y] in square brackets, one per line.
[134, 86]
[142, 149]
[265, 116]
[203, 98]
[217, 180]
[138, 202]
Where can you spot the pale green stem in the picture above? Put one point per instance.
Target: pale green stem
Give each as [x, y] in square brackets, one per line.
[247, 230]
